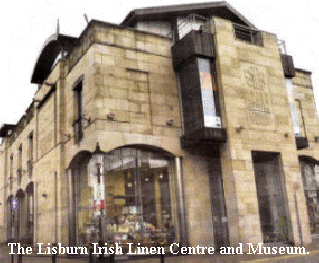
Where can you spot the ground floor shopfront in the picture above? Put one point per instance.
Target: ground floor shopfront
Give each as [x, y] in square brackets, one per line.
[147, 196]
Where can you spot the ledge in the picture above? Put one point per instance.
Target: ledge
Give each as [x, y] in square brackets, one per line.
[204, 136]
[301, 142]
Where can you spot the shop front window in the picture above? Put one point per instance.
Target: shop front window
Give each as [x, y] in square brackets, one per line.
[127, 197]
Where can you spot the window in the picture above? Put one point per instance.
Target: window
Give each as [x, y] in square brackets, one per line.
[77, 124]
[293, 109]
[30, 214]
[11, 172]
[311, 193]
[199, 96]
[30, 154]
[247, 34]
[55, 115]
[10, 219]
[19, 170]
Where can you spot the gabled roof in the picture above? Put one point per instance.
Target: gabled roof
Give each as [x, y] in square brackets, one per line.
[50, 50]
[221, 9]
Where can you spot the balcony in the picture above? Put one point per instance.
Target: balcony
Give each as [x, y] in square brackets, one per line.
[286, 60]
[288, 65]
[194, 44]
[194, 60]
[193, 38]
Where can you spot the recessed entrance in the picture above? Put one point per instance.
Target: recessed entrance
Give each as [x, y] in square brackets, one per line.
[271, 197]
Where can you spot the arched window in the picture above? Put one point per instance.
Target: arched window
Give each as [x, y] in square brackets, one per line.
[127, 197]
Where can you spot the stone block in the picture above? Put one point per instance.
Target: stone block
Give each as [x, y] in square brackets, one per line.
[118, 93]
[138, 96]
[141, 129]
[122, 115]
[108, 60]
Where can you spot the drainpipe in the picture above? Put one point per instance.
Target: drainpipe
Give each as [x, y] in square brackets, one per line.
[302, 117]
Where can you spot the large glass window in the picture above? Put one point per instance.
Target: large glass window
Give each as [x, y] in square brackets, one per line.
[209, 99]
[128, 197]
[292, 106]
[199, 96]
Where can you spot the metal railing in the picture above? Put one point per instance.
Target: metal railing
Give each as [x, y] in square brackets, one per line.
[282, 47]
[188, 24]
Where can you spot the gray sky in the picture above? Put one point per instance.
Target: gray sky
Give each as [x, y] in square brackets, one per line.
[26, 25]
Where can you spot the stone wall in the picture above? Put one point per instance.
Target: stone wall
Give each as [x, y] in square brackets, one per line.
[256, 114]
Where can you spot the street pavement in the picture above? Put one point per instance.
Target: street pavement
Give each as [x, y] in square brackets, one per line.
[312, 257]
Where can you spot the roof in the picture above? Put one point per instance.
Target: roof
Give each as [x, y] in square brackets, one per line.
[58, 42]
[5, 128]
[50, 50]
[303, 71]
[221, 9]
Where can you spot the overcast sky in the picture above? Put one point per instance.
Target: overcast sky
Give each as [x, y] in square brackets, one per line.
[26, 25]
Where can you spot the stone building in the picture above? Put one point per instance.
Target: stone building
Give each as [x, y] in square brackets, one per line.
[181, 124]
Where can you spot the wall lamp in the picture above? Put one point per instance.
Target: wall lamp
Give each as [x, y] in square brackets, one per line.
[87, 119]
[170, 122]
[111, 115]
